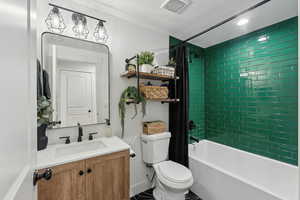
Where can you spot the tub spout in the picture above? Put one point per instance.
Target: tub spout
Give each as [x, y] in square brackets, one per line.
[194, 139]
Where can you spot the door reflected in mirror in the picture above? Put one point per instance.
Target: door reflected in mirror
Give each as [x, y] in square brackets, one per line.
[78, 78]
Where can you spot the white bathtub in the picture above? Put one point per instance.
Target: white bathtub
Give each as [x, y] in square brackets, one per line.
[224, 173]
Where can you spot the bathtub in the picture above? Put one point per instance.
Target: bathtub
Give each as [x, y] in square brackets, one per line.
[224, 173]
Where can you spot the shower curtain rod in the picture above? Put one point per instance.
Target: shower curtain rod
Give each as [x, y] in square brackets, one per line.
[223, 22]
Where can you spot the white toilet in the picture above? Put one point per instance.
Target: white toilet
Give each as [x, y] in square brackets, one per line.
[172, 179]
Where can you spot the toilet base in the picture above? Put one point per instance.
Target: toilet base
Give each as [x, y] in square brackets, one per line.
[161, 193]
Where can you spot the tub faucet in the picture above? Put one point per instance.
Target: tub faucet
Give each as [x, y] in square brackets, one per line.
[194, 139]
[80, 133]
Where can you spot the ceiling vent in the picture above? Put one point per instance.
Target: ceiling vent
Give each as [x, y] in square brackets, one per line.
[176, 6]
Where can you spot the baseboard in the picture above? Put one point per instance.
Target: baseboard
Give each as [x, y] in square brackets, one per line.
[139, 187]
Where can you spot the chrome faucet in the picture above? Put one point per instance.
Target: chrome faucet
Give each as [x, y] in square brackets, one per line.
[80, 133]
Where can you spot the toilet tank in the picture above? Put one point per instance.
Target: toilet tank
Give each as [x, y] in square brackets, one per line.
[155, 148]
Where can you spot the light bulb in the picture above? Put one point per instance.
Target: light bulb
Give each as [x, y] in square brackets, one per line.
[80, 26]
[55, 21]
[100, 33]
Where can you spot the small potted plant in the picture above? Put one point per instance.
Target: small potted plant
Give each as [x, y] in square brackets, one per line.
[130, 94]
[146, 59]
[44, 116]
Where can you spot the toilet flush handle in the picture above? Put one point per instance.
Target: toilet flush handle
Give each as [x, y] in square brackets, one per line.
[144, 141]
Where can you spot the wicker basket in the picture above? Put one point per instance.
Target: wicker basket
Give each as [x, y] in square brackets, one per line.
[154, 92]
[154, 127]
[164, 70]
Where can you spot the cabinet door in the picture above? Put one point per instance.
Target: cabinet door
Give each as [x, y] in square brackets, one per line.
[67, 183]
[108, 177]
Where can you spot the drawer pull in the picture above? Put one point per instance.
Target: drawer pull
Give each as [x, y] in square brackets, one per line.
[81, 173]
[89, 171]
[46, 175]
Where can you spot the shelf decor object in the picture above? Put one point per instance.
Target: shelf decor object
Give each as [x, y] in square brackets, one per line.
[55, 21]
[151, 92]
[128, 96]
[146, 59]
[164, 70]
[154, 127]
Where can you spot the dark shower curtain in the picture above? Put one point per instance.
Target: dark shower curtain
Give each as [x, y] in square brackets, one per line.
[178, 112]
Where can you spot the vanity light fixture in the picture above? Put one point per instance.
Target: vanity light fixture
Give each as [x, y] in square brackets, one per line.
[100, 33]
[80, 26]
[242, 22]
[55, 21]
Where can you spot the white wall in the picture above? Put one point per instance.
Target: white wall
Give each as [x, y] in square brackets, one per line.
[17, 102]
[125, 40]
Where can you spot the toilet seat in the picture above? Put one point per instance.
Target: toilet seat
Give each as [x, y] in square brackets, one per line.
[174, 175]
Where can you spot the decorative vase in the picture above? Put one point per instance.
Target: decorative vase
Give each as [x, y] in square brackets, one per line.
[42, 139]
[146, 68]
[130, 68]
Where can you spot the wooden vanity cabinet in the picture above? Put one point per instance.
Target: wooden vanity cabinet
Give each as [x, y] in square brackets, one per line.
[108, 178]
[100, 178]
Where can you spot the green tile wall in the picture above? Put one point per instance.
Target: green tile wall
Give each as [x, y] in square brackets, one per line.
[196, 92]
[251, 92]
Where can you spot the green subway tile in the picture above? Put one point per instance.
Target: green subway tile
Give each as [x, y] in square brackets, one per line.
[261, 108]
[256, 112]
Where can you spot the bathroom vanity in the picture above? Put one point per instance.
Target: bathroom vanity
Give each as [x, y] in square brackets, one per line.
[90, 170]
[75, 77]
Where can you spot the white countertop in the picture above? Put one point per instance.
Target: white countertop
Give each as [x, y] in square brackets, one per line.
[48, 157]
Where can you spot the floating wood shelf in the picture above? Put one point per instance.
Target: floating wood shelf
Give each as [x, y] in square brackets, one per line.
[164, 100]
[148, 76]
[156, 100]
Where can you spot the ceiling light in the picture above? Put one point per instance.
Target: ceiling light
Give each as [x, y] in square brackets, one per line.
[176, 6]
[100, 33]
[80, 26]
[55, 21]
[242, 22]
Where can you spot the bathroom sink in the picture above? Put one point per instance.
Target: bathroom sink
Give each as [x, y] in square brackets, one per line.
[78, 148]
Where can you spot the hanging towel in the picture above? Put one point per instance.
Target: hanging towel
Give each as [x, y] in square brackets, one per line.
[39, 81]
[46, 86]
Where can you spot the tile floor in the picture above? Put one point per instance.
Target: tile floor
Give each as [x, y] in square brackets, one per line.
[147, 195]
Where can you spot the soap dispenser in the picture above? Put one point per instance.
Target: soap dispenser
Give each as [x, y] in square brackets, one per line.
[107, 129]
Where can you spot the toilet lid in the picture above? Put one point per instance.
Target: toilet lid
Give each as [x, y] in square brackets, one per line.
[174, 172]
